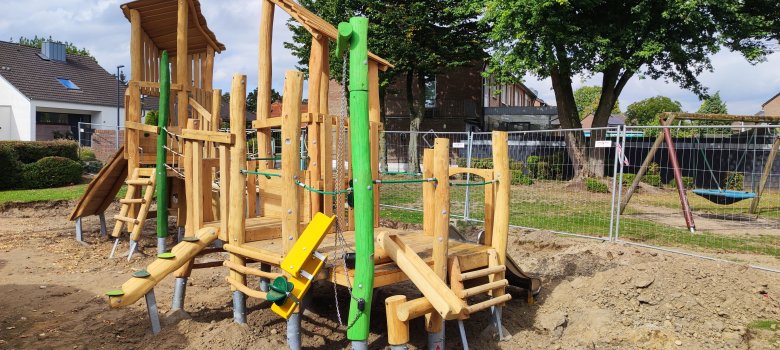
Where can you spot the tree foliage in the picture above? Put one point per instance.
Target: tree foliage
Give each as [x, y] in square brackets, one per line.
[251, 99]
[70, 48]
[645, 112]
[587, 100]
[713, 105]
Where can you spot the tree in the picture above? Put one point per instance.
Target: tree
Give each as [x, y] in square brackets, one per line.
[657, 39]
[713, 105]
[420, 37]
[645, 112]
[70, 48]
[251, 99]
[587, 100]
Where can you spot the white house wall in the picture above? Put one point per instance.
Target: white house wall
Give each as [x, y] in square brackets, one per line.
[22, 127]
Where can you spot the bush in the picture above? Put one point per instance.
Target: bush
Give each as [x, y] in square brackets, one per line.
[32, 151]
[687, 181]
[654, 169]
[519, 178]
[532, 162]
[595, 185]
[734, 180]
[516, 165]
[10, 167]
[51, 172]
[628, 179]
[151, 118]
[92, 166]
[86, 154]
[652, 180]
[548, 167]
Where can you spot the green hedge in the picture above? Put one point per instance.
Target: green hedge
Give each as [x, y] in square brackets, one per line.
[652, 180]
[628, 179]
[10, 166]
[595, 185]
[687, 183]
[31, 151]
[51, 172]
[734, 180]
[519, 178]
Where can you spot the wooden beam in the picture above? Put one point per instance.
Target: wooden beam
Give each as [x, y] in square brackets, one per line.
[142, 127]
[645, 164]
[429, 190]
[237, 208]
[209, 136]
[264, 65]
[773, 119]
[315, 75]
[770, 160]
[182, 62]
[136, 46]
[503, 187]
[205, 114]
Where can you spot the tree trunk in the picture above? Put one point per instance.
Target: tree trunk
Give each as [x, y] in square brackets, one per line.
[611, 86]
[570, 119]
[416, 113]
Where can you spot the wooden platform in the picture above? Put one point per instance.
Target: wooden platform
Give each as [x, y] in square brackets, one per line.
[472, 256]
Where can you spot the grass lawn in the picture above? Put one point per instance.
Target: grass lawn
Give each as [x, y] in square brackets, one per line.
[49, 194]
[555, 206]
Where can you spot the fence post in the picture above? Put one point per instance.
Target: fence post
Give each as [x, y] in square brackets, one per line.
[615, 185]
[618, 211]
[470, 144]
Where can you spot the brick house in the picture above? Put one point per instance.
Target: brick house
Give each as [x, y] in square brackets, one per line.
[772, 106]
[45, 93]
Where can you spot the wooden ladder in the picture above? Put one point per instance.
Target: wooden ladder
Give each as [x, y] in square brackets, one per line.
[141, 181]
[494, 286]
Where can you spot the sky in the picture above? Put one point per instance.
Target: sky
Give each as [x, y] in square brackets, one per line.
[100, 27]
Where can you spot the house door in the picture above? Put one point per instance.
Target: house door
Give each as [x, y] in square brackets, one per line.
[6, 114]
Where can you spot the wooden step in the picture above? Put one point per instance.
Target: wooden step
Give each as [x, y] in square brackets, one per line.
[488, 303]
[482, 273]
[483, 288]
[126, 219]
[139, 182]
[132, 201]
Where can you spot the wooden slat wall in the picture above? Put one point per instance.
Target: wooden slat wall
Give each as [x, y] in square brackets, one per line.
[150, 64]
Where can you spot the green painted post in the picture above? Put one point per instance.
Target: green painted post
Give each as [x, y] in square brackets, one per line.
[160, 171]
[363, 287]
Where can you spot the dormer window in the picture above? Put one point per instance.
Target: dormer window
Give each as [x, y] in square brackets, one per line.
[68, 84]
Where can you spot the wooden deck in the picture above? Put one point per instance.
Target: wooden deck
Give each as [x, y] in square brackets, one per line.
[471, 255]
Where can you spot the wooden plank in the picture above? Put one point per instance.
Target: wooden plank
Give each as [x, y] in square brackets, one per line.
[429, 190]
[210, 136]
[291, 133]
[374, 149]
[142, 127]
[237, 206]
[427, 281]
[374, 118]
[486, 174]
[253, 254]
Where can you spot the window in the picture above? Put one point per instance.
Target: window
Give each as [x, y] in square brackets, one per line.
[68, 84]
[430, 93]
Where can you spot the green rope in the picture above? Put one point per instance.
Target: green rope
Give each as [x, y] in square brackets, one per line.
[403, 181]
[348, 190]
[267, 175]
[473, 183]
[263, 158]
[400, 173]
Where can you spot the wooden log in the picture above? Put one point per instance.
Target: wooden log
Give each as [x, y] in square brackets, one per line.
[126, 219]
[481, 273]
[132, 201]
[255, 255]
[250, 271]
[138, 182]
[237, 207]
[291, 133]
[489, 212]
[246, 290]
[315, 76]
[209, 136]
[429, 190]
[136, 46]
[504, 177]
[441, 164]
[264, 65]
[488, 303]
[182, 61]
[773, 119]
[397, 330]
[143, 211]
[482, 288]
[207, 265]
[224, 192]
[413, 309]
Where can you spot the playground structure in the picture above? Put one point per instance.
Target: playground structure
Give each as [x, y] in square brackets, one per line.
[721, 195]
[277, 210]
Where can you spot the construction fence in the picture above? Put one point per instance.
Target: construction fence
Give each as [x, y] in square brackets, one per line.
[579, 182]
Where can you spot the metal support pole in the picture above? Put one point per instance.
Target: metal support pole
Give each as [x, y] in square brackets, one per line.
[615, 185]
[151, 309]
[161, 245]
[466, 210]
[113, 249]
[499, 326]
[102, 217]
[686, 207]
[463, 339]
[619, 212]
[436, 340]
[239, 307]
[265, 283]
[179, 292]
[79, 232]
[133, 245]
[294, 331]
[180, 234]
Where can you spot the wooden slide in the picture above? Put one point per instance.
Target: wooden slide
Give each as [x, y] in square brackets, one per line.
[103, 189]
[141, 283]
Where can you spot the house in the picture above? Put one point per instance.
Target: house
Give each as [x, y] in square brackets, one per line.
[772, 106]
[45, 93]
[614, 120]
[461, 99]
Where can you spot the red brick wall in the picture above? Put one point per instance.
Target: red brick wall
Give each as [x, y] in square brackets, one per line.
[104, 143]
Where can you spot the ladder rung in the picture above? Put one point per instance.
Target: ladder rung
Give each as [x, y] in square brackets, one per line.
[139, 182]
[482, 288]
[488, 303]
[126, 219]
[132, 201]
[482, 273]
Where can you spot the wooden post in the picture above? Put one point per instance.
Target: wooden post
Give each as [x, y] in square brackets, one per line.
[397, 330]
[326, 134]
[441, 220]
[504, 178]
[224, 191]
[315, 83]
[374, 118]
[182, 61]
[489, 212]
[136, 46]
[645, 164]
[132, 138]
[291, 133]
[237, 221]
[765, 176]
[264, 64]
[429, 189]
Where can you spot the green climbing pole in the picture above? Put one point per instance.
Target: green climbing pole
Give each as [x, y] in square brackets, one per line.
[161, 171]
[355, 34]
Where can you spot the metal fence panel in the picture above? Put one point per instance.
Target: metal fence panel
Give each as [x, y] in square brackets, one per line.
[102, 139]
